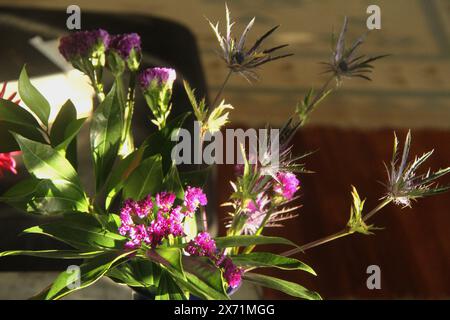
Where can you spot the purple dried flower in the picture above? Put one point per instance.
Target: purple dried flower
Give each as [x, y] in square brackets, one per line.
[160, 76]
[137, 227]
[286, 185]
[83, 44]
[202, 245]
[144, 207]
[232, 274]
[194, 197]
[124, 43]
[165, 200]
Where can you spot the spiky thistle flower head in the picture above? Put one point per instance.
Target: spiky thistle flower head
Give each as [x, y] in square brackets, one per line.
[405, 183]
[239, 59]
[345, 62]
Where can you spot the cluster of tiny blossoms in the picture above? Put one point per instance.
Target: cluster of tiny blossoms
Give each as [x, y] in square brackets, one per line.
[151, 220]
[204, 246]
[287, 184]
[283, 190]
[7, 161]
[81, 46]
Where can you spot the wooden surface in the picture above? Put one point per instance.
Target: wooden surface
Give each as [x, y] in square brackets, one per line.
[413, 251]
[409, 89]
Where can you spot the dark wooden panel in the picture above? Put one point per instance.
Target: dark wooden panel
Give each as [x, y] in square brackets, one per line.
[413, 251]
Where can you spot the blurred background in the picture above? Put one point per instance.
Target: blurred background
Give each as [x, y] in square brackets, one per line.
[352, 129]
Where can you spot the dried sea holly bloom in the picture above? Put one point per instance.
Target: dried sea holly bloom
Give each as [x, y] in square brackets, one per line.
[235, 54]
[404, 183]
[345, 62]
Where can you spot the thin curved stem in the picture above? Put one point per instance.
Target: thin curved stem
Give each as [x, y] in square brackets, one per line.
[344, 232]
[219, 93]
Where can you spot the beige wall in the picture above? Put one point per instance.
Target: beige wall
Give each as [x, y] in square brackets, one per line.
[409, 89]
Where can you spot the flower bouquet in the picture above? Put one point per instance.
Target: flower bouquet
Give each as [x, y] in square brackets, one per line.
[145, 224]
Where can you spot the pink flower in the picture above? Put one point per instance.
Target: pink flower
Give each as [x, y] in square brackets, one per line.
[194, 197]
[157, 76]
[136, 226]
[202, 245]
[11, 97]
[165, 200]
[232, 274]
[256, 212]
[7, 162]
[286, 185]
[144, 207]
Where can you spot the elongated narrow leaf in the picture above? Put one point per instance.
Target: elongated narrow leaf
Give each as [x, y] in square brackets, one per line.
[168, 288]
[188, 281]
[53, 254]
[90, 272]
[81, 231]
[141, 273]
[267, 259]
[145, 179]
[290, 288]
[34, 100]
[204, 269]
[46, 197]
[244, 241]
[106, 131]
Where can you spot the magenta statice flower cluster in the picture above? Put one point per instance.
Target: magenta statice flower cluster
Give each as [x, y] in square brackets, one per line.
[204, 246]
[287, 184]
[150, 221]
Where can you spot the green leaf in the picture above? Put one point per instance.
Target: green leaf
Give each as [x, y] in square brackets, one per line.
[138, 272]
[205, 270]
[120, 174]
[290, 288]
[145, 179]
[52, 254]
[14, 118]
[81, 231]
[168, 288]
[187, 280]
[106, 131]
[244, 241]
[266, 259]
[64, 131]
[65, 116]
[46, 163]
[196, 177]
[90, 272]
[172, 182]
[161, 143]
[34, 100]
[46, 197]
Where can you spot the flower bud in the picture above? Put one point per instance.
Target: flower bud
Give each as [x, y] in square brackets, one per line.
[85, 45]
[124, 49]
[156, 85]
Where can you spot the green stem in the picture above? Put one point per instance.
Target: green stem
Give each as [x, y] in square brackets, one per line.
[127, 142]
[219, 93]
[344, 232]
[380, 206]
